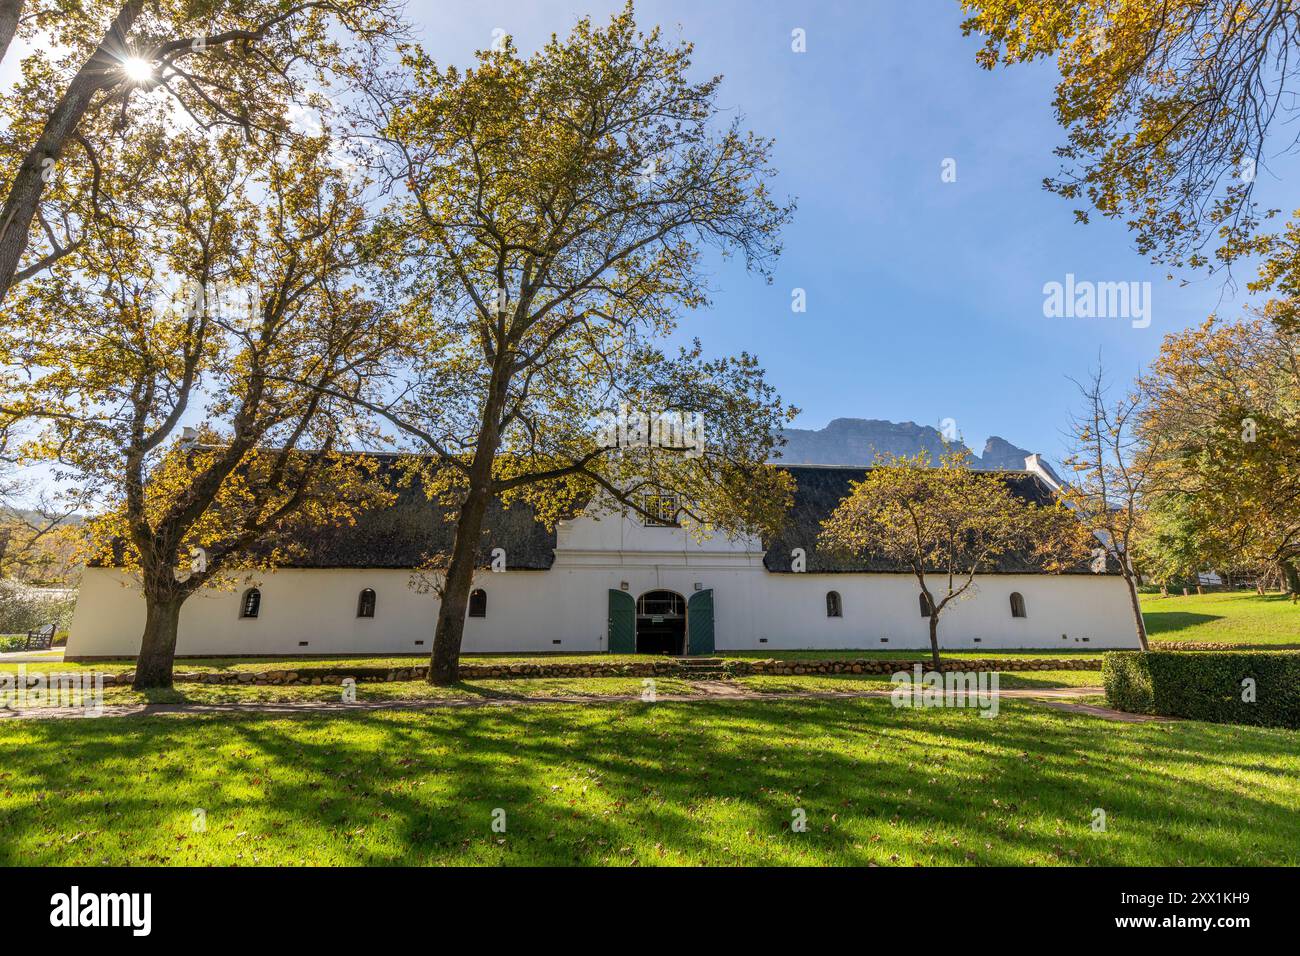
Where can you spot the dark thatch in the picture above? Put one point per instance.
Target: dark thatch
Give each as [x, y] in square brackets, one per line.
[412, 529]
[819, 491]
[408, 532]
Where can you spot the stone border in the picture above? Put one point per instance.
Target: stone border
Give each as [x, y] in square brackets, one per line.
[662, 668]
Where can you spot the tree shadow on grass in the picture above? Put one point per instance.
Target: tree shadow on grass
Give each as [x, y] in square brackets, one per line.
[1028, 680]
[711, 782]
[1168, 622]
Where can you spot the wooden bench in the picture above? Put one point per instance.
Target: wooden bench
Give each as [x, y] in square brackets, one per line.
[40, 639]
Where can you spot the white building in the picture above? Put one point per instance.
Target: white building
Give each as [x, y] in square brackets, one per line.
[611, 583]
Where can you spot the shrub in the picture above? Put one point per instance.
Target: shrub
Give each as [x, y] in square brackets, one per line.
[23, 609]
[1206, 685]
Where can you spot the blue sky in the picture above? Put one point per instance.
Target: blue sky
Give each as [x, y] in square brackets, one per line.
[925, 298]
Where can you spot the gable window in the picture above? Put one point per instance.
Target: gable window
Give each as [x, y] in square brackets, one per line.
[1017, 604]
[834, 607]
[925, 606]
[366, 603]
[478, 603]
[251, 603]
[660, 511]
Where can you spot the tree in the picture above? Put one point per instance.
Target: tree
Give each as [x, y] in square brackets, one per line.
[1168, 106]
[11, 12]
[218, 64]
[1113, 471]
[277, 304]
[1223, 419]
[557, 212]
[948, 521]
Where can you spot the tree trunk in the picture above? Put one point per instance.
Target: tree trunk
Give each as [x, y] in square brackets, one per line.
[10, 11]
[934, 637]
[29, 184]
[1138, 622]
[444, 662]
[153, 668]
[1291, 576]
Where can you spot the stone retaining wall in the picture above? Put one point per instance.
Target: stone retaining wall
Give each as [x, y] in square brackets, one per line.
[655, 668]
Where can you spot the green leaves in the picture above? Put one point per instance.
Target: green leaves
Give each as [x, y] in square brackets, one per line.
[559, 210]
[1167, 108]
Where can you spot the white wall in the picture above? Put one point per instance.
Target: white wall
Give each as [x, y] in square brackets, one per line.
[1061, 611]
[566, 609]
[533, 610]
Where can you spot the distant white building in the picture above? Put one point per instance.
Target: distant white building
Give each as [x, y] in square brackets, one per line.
[613, 584]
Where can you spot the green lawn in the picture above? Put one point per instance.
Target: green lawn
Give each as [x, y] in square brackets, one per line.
[1236, 618]
[709, 782]
[255, 664]
[522, 687]
[503, 689]
[1008, 680]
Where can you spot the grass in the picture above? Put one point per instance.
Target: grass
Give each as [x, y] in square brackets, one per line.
[525, 687]
[1225, 618]
[505, 689]
[643, 784]
[260, 664]
[1007, 680]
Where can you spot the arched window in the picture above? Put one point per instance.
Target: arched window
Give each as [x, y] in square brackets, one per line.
[1017, 604]
[834, 607]
[366, 603]
[251, 603]
[925, 606]
[478, 603]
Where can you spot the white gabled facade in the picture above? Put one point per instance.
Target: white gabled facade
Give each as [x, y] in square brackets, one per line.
[567, 609]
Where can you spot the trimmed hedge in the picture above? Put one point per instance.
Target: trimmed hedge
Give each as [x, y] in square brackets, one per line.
[1206, 685]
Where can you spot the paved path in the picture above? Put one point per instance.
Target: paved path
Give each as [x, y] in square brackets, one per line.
[1094, 711]
[709, 691]
[53, 655]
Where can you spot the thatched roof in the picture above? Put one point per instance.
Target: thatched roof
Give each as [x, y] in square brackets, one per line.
[405, 533]
[821, 488]
[412, 528]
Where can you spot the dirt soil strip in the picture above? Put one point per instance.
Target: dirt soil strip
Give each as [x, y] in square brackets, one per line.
[1057, 697]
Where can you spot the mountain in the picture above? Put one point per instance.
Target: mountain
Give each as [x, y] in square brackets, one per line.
[860, 441]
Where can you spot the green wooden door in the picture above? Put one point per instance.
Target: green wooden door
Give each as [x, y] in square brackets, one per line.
[699, 623]
[622, 623]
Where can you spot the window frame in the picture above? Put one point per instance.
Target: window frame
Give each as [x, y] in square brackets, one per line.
[656, 506]
[253, 594]
[481, 611]
[361, 603]
[834, 604]
[1018, 608]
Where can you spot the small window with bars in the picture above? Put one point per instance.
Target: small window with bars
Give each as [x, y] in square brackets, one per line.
[660, 510]
[478, 603]
[366, 603]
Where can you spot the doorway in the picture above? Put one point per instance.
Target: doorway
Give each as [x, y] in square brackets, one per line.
[661, 623]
